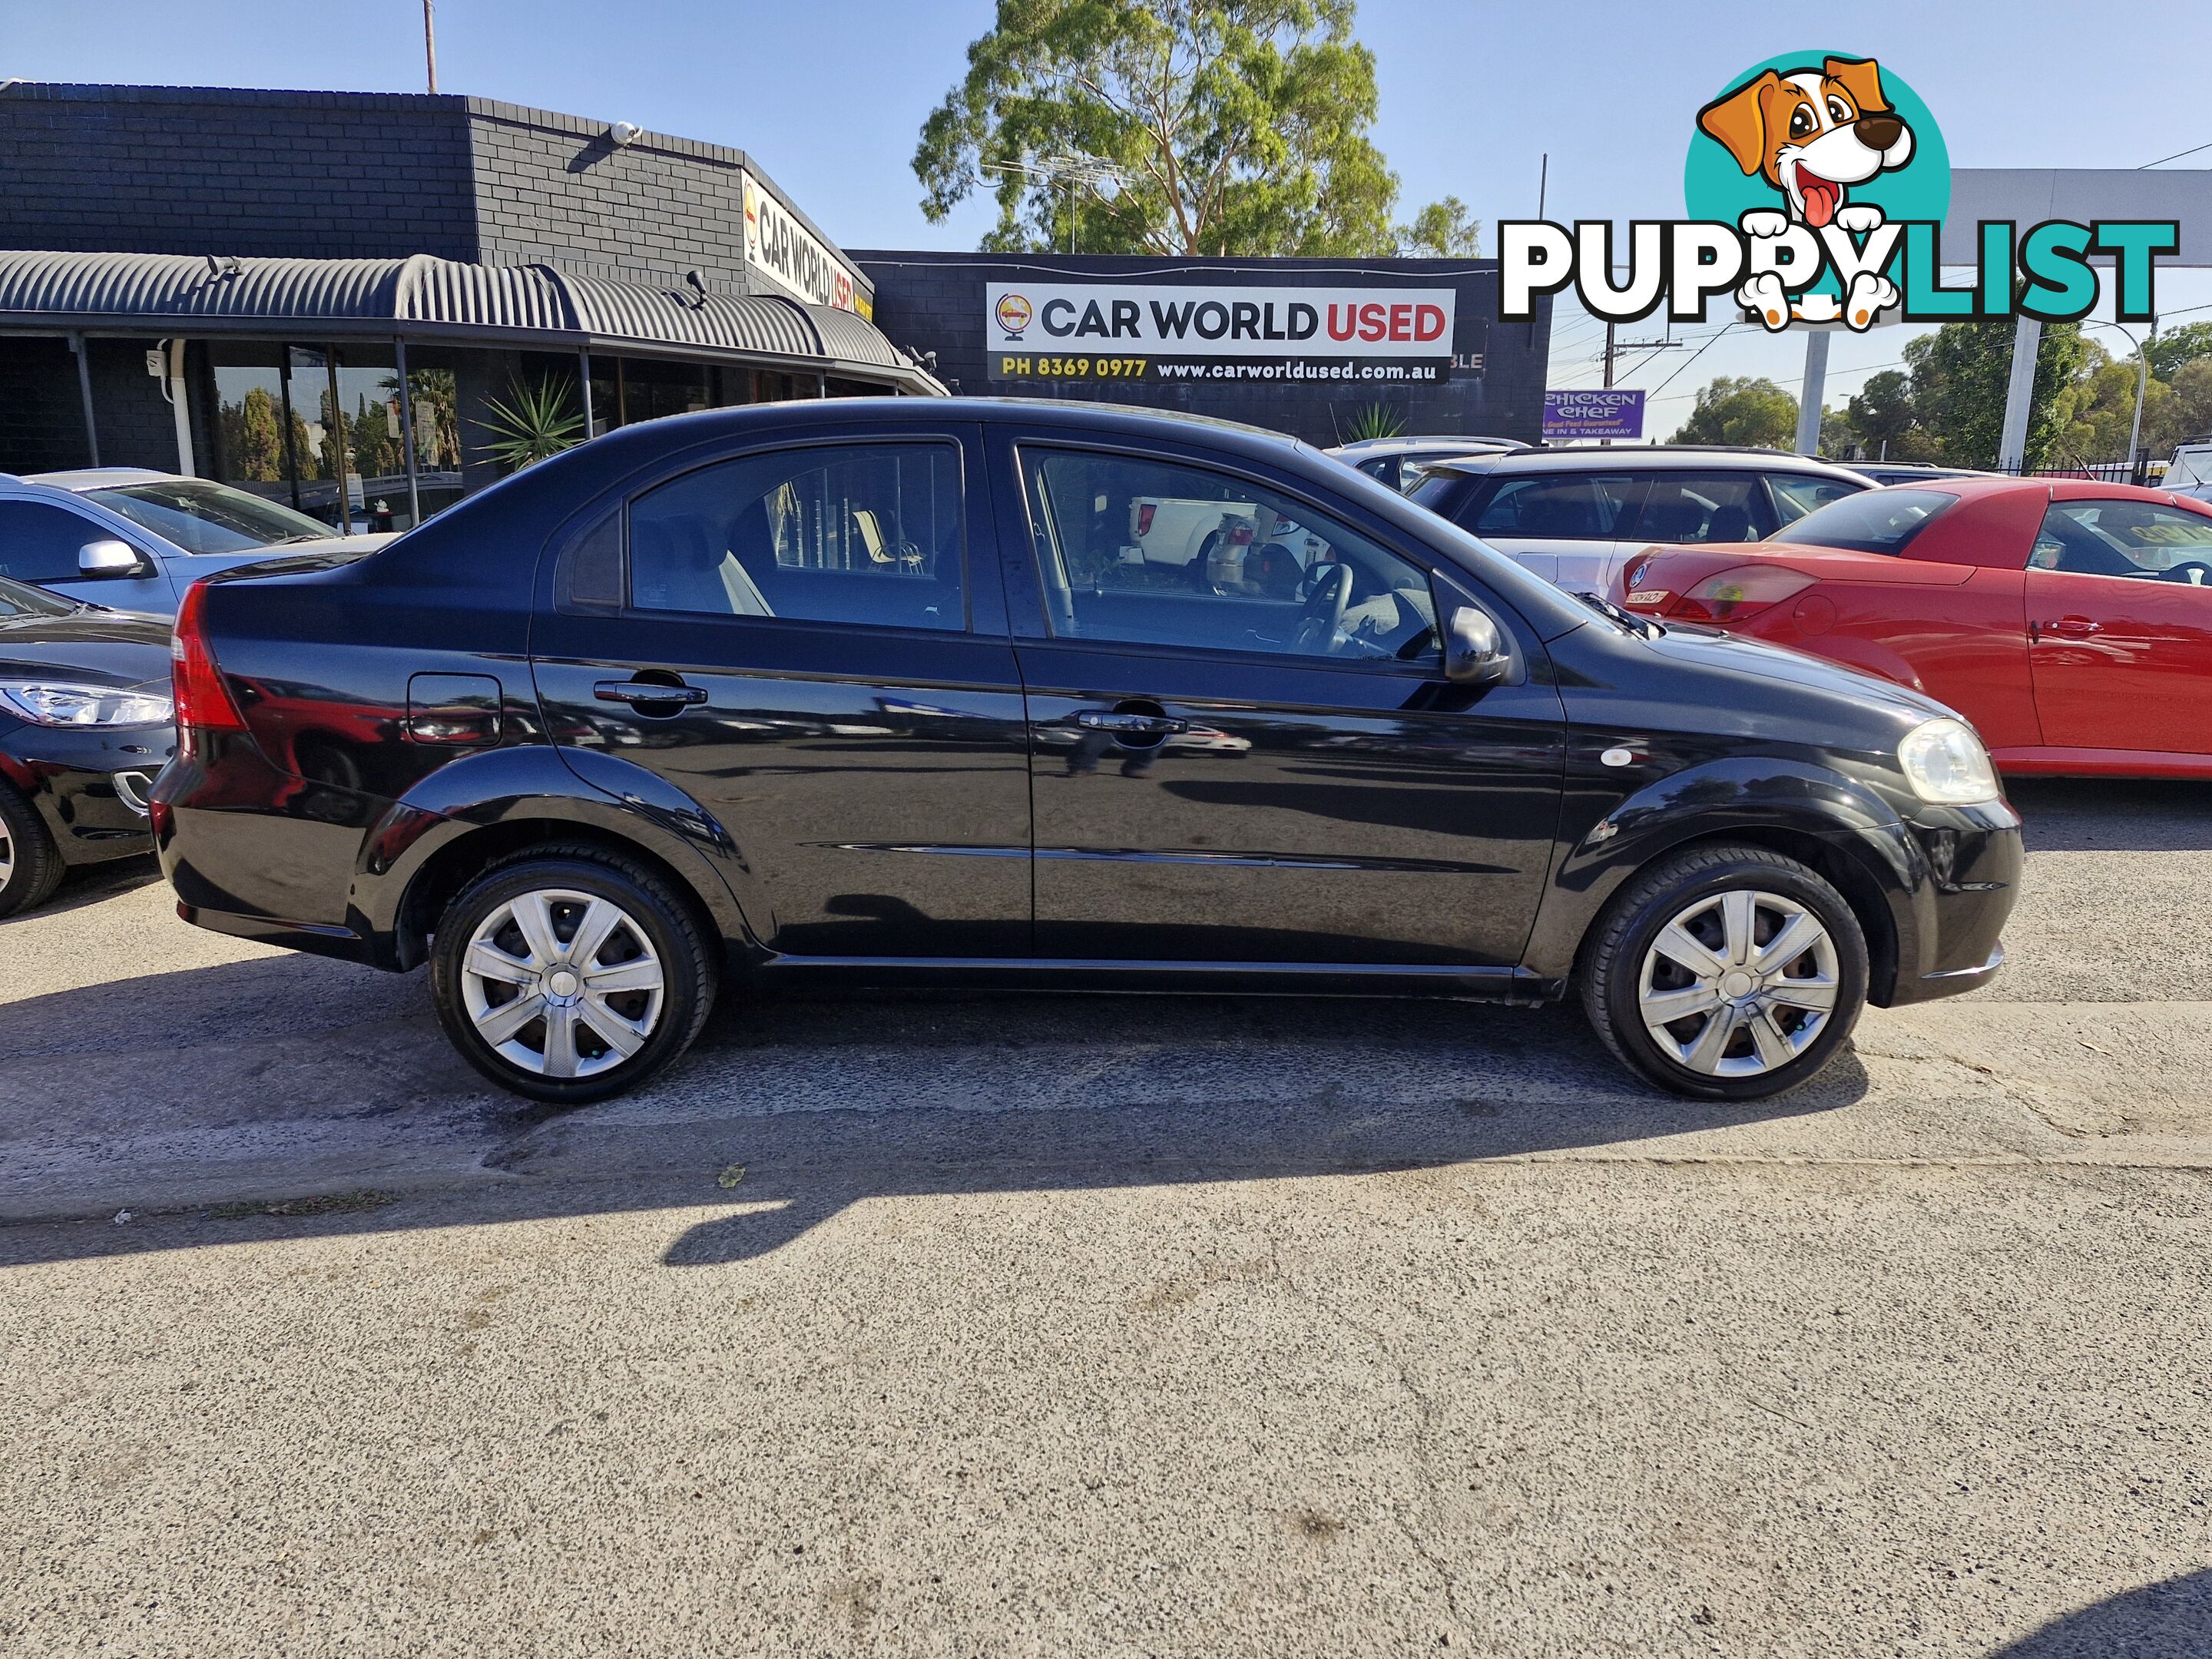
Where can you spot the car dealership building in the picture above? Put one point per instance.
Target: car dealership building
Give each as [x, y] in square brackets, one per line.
[389, 299]
[380, 296]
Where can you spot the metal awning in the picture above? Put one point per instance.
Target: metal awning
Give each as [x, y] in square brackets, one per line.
[428, 299]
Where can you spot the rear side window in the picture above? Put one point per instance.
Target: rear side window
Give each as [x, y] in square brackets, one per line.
[866, 534]
[1872, 522]
[1702, 506]
[2124, 538]
[1795, 495]
[39, 543]
[1558, 507]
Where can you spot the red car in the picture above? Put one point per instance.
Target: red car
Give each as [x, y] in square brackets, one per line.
[2069, 620]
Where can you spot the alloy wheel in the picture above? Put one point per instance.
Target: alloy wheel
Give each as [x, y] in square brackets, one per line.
[1739, 983]
[562, 983]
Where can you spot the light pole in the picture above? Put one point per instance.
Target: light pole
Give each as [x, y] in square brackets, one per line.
[2142, 388]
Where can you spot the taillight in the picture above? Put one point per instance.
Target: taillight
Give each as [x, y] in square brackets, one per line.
[203, 702]
[1145, 510]
[1735, 594]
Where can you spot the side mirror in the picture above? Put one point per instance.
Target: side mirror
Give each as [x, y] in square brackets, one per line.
[1474, 651]
[111, 557]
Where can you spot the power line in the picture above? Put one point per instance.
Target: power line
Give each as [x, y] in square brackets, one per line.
[2175, 157]
[1687, 362]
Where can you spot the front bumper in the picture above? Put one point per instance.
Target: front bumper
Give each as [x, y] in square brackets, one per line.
[90, 785]
[1961, 895]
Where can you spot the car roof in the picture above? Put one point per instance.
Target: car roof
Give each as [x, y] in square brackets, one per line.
[101, 478]
[1471, 444]
[1650, 457]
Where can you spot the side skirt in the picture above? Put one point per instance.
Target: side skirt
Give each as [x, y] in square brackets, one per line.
[1303, 979]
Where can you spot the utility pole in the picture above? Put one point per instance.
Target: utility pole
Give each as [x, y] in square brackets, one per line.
[429, 46]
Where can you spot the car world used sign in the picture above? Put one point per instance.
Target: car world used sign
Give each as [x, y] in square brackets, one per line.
[1608, 414]
[1151, 331]
[794, 258]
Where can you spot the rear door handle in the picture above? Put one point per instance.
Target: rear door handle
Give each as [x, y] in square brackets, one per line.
[1148, 726]
[646, 691]
[2073, 628]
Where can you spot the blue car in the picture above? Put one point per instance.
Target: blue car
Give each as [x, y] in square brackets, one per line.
[135, 540]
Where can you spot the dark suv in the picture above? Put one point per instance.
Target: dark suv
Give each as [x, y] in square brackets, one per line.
[876, 689]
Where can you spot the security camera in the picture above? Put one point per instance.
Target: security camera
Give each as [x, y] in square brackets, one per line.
[623, 133]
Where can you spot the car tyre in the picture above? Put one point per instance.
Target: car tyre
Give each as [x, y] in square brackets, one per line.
[1702, 935]
[571, 974]
[30, 863]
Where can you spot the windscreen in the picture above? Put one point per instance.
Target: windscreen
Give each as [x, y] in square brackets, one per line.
[19, 599]
[209, 518]
[1872, 522]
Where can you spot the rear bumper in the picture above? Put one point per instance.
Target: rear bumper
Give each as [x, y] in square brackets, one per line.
[317, 939]
[90, 787]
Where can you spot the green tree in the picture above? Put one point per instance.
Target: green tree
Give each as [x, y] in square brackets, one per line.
[1225, 126]
[1960, 376]
[1882, 418]
[2170, 350]
[1441, 230]
[1742, 410]
[252, 442]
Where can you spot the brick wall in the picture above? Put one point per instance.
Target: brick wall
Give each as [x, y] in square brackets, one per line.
[274, 174]
[934, 302]
[364, 175]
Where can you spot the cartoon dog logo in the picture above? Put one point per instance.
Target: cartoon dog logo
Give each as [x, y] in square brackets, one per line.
[1813, 134]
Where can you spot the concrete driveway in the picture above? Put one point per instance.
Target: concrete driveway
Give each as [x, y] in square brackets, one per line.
[1113, 1325]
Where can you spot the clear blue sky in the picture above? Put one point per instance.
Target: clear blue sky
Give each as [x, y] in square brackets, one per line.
[829, 95]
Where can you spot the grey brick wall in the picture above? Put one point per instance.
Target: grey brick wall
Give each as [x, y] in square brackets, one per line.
[276, 174]
[365, 175]
[927, 301]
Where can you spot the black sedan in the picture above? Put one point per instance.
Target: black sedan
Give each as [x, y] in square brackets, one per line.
[880, 689]
[84, 727]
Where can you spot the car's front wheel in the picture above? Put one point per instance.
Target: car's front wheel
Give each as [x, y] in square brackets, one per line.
[1728, 973]
[30, 863]
[570, 974]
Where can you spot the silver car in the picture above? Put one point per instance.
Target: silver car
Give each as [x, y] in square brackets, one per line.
[135, 540]
[1574, 516]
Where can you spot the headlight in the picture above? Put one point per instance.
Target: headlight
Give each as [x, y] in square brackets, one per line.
[1945, 762]
[47, 702]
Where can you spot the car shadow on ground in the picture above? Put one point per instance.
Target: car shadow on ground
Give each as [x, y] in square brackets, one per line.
[2114, 815]
[823, 1101]
[89, 883]
[2170, 1619]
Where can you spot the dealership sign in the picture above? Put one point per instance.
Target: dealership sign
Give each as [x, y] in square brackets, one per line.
[793, 258]
[1147, 330]
[1608, 414]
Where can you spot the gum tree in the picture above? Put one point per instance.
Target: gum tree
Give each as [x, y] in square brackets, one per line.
[1238, 127]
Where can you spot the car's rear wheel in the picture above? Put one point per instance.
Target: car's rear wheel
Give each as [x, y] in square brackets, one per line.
[571, 975]
[1728, 973]
[30, 863]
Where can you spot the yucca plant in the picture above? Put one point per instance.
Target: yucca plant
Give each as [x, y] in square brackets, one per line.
[535, 422]
[1375, 420]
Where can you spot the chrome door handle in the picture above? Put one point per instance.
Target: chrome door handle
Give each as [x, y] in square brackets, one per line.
[2073, 628]
[1149, 725]
[646, 691]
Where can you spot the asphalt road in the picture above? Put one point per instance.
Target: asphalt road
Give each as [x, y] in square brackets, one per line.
[1113, 1325]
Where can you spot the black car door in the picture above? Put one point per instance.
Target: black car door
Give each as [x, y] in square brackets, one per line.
[1253, 756]
[798, 637]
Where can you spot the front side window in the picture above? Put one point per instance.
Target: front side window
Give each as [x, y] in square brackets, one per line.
[1872, 522]
[1701, 506]
[1796, 494]
[39, 543]
[1556, 507]
[2125, 538]
[866, 534]
[1146, 552]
